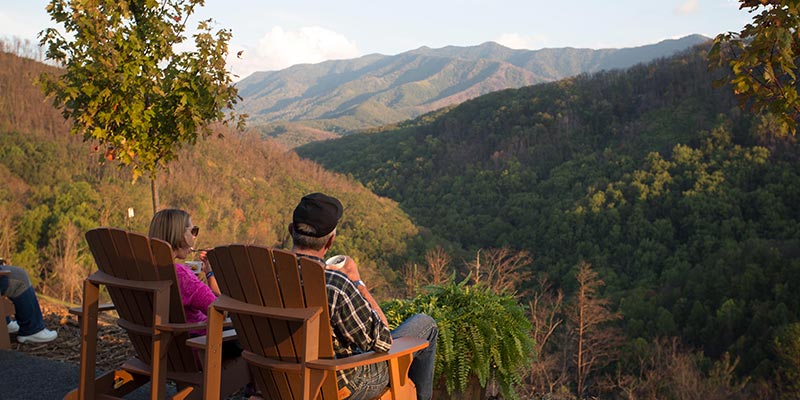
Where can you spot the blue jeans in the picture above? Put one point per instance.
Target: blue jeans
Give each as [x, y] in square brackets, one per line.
[27, 311]
[375, 379]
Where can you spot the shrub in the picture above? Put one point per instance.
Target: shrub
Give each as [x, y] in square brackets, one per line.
[480, 333]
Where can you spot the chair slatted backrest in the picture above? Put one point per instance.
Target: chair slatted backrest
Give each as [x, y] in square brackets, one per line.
[265, 277]
[135, 257]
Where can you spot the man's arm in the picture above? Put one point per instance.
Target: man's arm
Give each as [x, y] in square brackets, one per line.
[362, 288]
[354, 320]
[350, 269]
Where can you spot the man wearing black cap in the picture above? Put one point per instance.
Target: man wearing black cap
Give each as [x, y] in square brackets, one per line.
[357, 322]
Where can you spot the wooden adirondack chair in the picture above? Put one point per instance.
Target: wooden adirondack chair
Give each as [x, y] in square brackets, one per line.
[140, 277]
[281, 314]
[6, 309]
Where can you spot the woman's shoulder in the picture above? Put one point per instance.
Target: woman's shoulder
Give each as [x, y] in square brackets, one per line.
[182, 267]
[184, 272]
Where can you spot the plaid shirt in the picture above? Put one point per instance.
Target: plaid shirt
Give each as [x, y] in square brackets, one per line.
[355, 326]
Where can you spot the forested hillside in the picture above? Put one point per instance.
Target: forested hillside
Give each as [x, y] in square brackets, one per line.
[237, 187]
[684, 205]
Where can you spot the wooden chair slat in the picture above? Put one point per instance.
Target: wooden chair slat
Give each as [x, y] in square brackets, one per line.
[292, 294]
[106, 256]
[267, 279]
[265, 275]
[226, 274]
[239, 291]
[231, 263]
[316, 295]
[179, 358]
[104, 252]
[125, 266]
[247, 288]
[289, 276]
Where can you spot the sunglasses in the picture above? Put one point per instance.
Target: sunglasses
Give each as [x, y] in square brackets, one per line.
[195, 230]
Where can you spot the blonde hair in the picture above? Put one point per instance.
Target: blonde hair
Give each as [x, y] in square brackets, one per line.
[170, 226]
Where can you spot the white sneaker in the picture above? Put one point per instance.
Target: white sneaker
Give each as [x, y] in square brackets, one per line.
[43, 336]
[13, 326]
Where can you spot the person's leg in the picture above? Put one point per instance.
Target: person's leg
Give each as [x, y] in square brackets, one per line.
[26, 307]
[369, 382]
[421, 371]
[28, 314]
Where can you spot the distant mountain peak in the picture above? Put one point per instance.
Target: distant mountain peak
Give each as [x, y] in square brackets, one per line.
[493, 45]
[369, 91]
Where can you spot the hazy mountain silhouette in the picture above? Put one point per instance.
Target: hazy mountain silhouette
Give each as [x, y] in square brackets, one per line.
[373, 90]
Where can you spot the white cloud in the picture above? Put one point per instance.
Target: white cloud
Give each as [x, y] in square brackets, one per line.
[517, 41]
[279, 49]
[688, 7]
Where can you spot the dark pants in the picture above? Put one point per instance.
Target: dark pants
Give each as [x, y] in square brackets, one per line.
[375, 379]
[18, 288]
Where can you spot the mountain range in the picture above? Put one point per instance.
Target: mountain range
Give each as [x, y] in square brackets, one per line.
[309, 102]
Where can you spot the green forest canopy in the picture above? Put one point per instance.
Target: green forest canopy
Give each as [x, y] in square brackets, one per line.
[685, 205]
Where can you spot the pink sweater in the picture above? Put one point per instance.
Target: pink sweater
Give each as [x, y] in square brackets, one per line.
[196, 296]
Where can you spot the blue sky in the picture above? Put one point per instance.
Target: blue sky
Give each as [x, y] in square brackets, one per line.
[275, 35]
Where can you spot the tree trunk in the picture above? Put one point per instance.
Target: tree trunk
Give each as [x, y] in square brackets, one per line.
[154, 191]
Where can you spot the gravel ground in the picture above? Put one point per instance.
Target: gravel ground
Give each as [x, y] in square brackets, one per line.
[113, 347]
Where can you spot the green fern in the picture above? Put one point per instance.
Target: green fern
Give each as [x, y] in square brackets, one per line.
[480, 333]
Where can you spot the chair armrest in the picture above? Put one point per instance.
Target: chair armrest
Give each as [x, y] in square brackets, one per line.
[173, 328]
[182, 327]
[400, 347]
[190, 326]
[102, 307]
[200, 341]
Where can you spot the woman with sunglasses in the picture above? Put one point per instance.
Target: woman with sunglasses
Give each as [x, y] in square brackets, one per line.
[175, 227]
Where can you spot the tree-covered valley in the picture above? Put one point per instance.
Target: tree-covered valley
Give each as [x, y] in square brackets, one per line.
[685, 205]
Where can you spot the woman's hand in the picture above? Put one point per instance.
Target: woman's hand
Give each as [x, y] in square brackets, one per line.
[210, 279]
[206, 264]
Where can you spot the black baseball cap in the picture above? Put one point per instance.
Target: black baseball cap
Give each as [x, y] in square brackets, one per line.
[318, 210]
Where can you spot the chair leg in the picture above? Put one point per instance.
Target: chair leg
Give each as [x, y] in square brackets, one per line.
[91, 295]
[6, 308]
[5, 339]
[400, 387]
[212, 357]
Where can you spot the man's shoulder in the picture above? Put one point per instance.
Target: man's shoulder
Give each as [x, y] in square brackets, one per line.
[336, 279]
